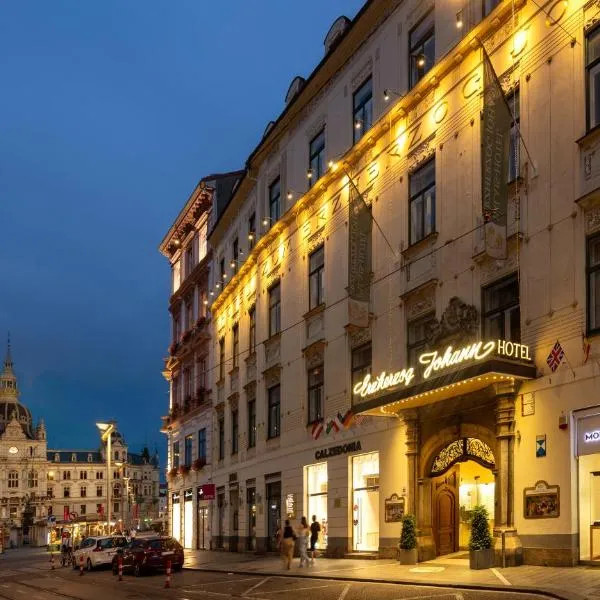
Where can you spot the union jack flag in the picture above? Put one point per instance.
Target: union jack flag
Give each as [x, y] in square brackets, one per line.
[555, 357]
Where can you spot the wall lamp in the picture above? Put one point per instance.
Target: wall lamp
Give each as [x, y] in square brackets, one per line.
[459, 19]
[291, 193]
[388, 93]
[358, 123]
[266, 221]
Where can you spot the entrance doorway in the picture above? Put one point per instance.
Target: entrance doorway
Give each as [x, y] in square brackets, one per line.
[365, 502]
[445, 513]
[274, 513]
[203, 529]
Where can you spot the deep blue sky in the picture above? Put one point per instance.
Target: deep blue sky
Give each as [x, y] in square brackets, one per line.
[110, 112]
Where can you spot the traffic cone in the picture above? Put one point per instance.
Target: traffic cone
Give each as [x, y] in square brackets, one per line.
[120, 562]
[168, 579]
[81, 566]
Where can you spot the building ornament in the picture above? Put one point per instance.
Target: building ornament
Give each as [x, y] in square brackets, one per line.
[461, 451]
[459, 323]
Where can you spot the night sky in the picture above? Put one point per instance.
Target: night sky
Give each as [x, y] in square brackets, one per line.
[110, 112]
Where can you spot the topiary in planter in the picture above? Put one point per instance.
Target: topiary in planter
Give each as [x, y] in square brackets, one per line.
[481, 553]
[407, 550]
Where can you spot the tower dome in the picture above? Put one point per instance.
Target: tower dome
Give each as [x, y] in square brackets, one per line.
[9, 398]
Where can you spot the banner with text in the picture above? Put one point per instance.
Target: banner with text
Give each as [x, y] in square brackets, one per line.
[495, 148]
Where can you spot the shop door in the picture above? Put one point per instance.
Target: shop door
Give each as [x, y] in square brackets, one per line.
[221, 519]
[251, 506]
[273, 513]
[203, 529]
[234, 496]
[445, 515]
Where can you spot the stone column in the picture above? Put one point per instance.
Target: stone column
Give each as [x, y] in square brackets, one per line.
[509, 551]
[411, 422]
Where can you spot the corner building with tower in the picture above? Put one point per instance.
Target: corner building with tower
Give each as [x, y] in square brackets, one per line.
[377, 347]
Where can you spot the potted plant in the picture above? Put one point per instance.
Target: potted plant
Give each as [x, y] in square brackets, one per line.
[481, 553]
[199, 464]
[184, 469]
[173, 473]
[407, 548]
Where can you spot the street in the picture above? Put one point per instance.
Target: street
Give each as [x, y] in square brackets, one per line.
[27, 575]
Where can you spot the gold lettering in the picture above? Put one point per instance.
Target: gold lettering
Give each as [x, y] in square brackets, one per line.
[336, 203]
[471, 86]
[414, 135]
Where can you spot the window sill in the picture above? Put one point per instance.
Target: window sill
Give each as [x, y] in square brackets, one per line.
[421, 245]
[589, 136]
[314, 311]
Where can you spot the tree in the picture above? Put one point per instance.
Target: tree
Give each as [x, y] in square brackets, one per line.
[481, 538]
[408, 537]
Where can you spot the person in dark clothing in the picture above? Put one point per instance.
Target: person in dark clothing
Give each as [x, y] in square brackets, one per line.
[315, 529]
[287, 544]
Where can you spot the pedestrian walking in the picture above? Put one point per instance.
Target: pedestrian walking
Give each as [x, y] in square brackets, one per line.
[315, 529]
[303, 535]
[287, 545]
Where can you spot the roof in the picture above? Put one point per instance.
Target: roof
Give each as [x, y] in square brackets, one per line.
[66, 456]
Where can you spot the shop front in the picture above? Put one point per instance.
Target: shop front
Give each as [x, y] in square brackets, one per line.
[188, 518]
[205, 494]
[176, 516]
[316, 498]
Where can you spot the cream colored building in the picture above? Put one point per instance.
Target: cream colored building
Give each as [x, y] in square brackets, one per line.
[392, 115]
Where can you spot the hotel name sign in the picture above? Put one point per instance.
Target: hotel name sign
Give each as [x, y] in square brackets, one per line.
[438, 361]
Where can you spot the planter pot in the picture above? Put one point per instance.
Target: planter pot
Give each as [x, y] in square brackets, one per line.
[481, 559]
[408, 557]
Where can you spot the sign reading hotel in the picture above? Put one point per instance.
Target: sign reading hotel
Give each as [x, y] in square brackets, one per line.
[437, 362]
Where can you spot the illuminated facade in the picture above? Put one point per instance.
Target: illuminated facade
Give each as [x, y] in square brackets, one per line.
[334, 389]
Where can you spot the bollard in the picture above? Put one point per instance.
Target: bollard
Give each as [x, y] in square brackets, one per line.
[81, 565]
[52, 561]
[120, 562]
[168, 579]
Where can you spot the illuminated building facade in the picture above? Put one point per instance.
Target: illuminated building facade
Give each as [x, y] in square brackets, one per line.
[377, 347]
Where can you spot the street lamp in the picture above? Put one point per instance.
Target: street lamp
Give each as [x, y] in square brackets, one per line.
[120, 465]
[106, 430]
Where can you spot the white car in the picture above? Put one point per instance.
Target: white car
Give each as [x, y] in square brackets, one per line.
[97, 551]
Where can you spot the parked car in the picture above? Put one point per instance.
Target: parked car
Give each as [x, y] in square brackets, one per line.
[98, 551]
[149, 554]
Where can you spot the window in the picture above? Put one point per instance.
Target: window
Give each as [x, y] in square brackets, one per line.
[235, 254]
[202, 443]
[418, 330]
[501, 311]
[189, 312]
[176, 327]
[592, 62]
[98, 490]
[234, 432]
[251, 231]
[421, 49]
[99, 474]
[82, 509]
[422, 201]
[222, 359]
[316, 287]
[175, 455]
[221, 438]
[32, 479]
[593, 283]
[189, 259]
[202, 243]
[176, 391]
[187, 383]
[362, 109]
[116, 455]
[252, 423]
[83, 491]
[235, 330]
[316, 157]
[274, 424]
[66, 475]
[252, 330]
[201, 368]
[274, 310]
[315, 393]
[222, 273]
[116, 507]
[82, 474]
[50, 476]
[189, 439]
[274, 201]
[13, 479]
[90, 458]
[50, 492]
[361, 363]
[513, 157]
[489, 6]
[66, 492]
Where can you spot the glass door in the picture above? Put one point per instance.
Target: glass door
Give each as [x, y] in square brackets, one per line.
[273, 512]
[251, 504]
[203, 529]
[316, 501]
[188, 519]
[176, 518]
[365, 502]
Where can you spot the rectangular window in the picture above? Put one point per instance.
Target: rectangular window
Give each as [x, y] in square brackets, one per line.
[99, 491]
[316, 380]
[221, 438]
[13, 479]
[235, 254]
[175, 455]
[417, 333]
[202, 242]
[187, 383]
[274, 310]
[274, 424]
[188, 442]
[82, 509]
[201, 368]
[592, 68]
[362, 109]
[222, 359]
[66, 475]
[501, 310]
[513, 101]
[316, 157]
[66, 492]
[274, 202]
[83, 491]
[593, 283]
[252, 330]
[176, 327]
[234, 432]
[235, 330]
[421, 49]
[361, 363]
[189, 312]
[251, 231]
[422, 201]
[82, 474]
[316, 284]
[50, 492]
[251, 423]
[116, 507]
[99, 474]
[189, 259]
[489, 6]
[202, 443]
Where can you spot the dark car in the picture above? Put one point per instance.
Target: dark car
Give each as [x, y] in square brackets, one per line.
[149, 554]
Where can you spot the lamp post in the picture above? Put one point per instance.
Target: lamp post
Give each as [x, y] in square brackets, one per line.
[106, 430]
[121, 466]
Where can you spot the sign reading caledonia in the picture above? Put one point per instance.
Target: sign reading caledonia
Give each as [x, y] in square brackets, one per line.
[337, 450]
[436, 361]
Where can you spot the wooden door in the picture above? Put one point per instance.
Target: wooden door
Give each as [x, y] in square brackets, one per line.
[445, 514]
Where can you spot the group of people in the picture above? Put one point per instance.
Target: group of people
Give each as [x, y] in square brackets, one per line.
[305, 535]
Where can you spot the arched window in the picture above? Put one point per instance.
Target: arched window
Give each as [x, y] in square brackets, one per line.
[73, 457]
[13, 479]
[89, 458]
[57, 457]
[116, 455]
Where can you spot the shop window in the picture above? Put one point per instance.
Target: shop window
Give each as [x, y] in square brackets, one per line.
[176, 517]
[365, 502]
[316, 283]
[316, 499]
[593, 283]
[275, 310]
[251, 423]
[421, 49]
[315, 393]
[362, 103]
[316, 159]
[274, 421]
[592, 68]
[361, 363]
[188, 442]
[418, 331]
[234, 431]
[221, 438]
[422, 202]
[501, 310]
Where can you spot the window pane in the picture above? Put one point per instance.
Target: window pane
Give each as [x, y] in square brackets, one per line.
[317, 258]
[429, 212]
[423, 177]
[593, 46]
[364, 93]
[594, 91]
[594, 252]
[416, 220]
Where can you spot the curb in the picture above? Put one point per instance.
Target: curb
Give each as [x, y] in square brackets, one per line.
[411, 582]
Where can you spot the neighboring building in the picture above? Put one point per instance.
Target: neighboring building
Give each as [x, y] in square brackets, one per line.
[189, 423]
[69, 485]
[334, 393]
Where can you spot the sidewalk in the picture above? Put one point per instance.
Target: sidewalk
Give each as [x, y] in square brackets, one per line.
[570, 583]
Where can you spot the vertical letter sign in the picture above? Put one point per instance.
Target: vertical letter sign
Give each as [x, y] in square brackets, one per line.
[359, 258]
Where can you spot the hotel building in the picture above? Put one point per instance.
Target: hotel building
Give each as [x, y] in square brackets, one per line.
[372, 351]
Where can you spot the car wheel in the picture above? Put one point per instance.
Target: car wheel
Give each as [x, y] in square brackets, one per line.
[88, 565]
[137, 570]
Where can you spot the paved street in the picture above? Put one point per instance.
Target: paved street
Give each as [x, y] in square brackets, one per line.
[26, 575]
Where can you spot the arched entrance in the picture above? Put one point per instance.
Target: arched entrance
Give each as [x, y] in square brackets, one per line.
[462, 477]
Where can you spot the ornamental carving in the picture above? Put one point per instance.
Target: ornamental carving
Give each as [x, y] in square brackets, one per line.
[421, 153]
[272, 351]
[461, 451]
[251, 367]
[315, 354]
[592, 220]
[360, 336]
[501, 35]
[459, 323]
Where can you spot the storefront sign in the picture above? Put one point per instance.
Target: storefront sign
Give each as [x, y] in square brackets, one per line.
[588, 431]
[591, 436]
[337, 450]
[436, 361]
[290, 506]
[207, 492]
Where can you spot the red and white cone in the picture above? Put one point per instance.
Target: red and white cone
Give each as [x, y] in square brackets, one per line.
[52, 561]
[120, 562]
[81, 565]
[168, 579]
